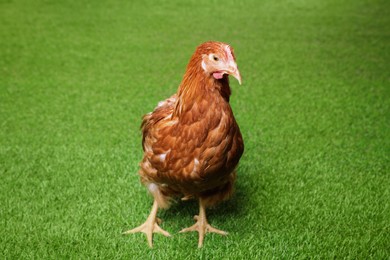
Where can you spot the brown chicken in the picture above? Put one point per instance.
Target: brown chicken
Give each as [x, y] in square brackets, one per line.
[191, 141]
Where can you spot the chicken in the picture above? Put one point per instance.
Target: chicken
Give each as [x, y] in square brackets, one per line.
[191, 141]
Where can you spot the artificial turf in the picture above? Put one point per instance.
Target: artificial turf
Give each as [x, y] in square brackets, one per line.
[314, 111]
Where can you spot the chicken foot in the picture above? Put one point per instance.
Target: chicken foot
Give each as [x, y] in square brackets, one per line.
[202, 226]
[150, 226]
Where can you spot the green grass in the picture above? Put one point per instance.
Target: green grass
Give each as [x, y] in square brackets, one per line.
[314, 110]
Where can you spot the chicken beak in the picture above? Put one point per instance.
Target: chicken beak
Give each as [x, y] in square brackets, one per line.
[235, 73]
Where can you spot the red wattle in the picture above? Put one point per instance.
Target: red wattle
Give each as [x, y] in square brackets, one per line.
[218, 75]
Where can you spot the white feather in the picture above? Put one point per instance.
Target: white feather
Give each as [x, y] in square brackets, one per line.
[204, 65]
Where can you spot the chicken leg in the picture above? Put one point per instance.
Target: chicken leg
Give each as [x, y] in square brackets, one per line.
[201, 225]
[150, 226]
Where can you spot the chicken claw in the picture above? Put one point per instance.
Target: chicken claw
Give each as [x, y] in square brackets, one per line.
[150, 226]
[202, 226]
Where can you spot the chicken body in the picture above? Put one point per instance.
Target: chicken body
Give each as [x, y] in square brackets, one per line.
[192, 143]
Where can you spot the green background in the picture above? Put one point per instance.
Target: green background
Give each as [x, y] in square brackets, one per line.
[314, 111]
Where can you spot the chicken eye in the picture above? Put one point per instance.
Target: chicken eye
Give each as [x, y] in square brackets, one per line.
[215, 58]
